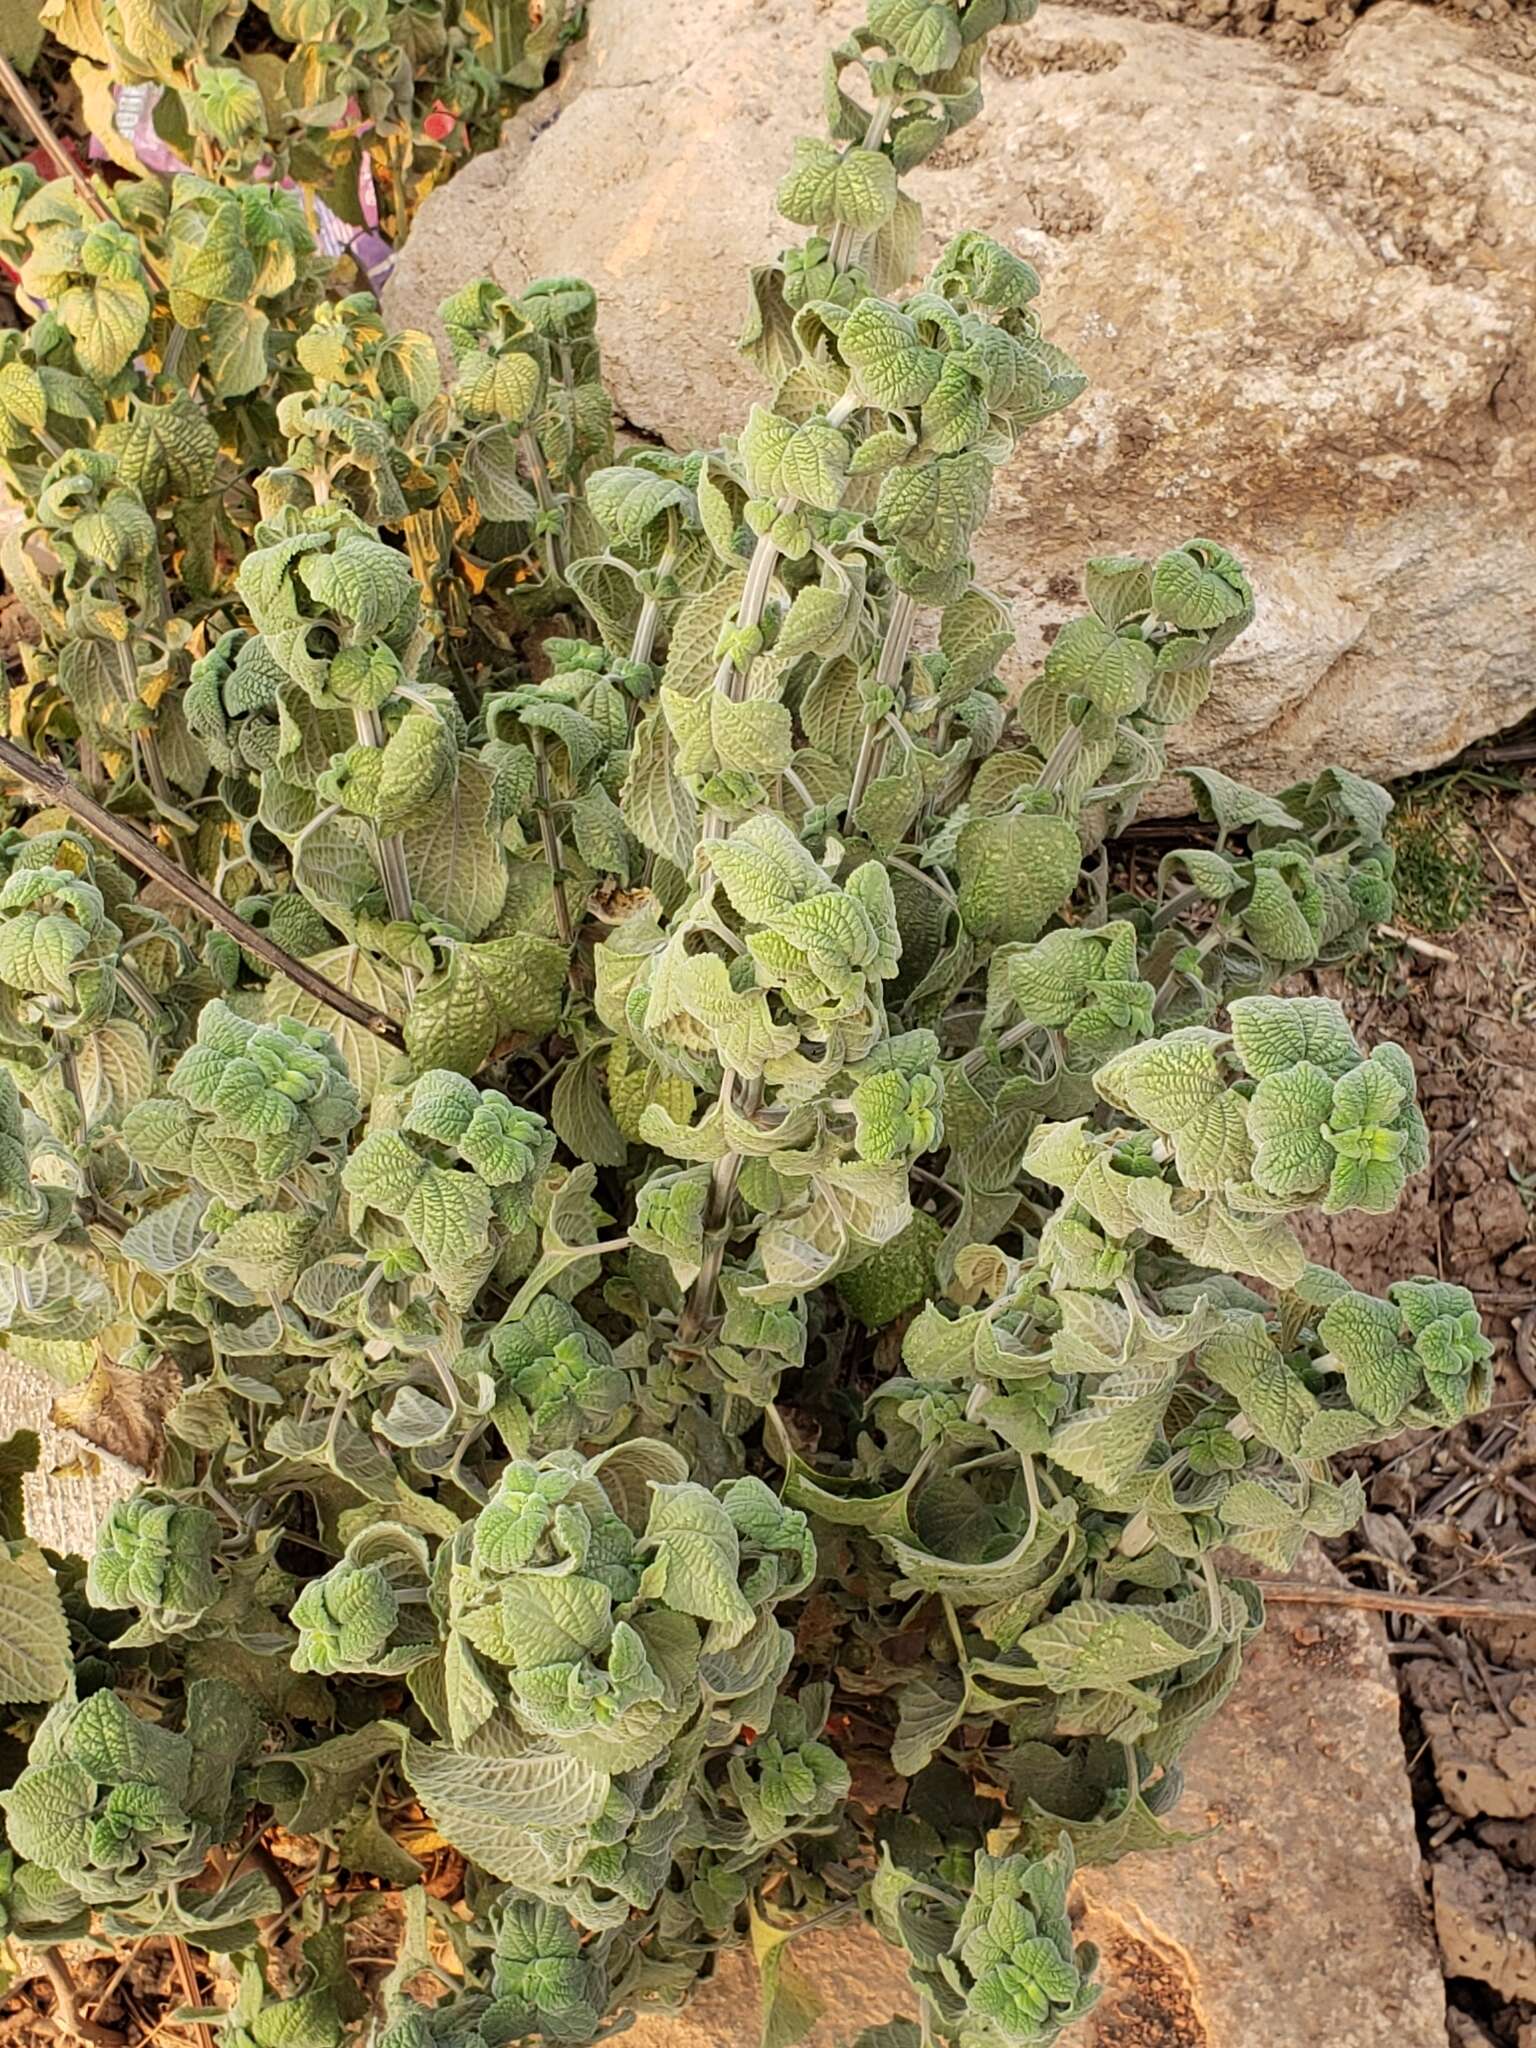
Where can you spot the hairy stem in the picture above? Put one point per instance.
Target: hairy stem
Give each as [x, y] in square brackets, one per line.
[138, 994]
[1061, 758]
[549, 833]
[146, 753]
[131, 844]
[69, 1070]
[175, 344]
[391, 848]
[552, 546]
[453, 1393]
[754, 598]
[700, 1306]
[977, 1057]
[888, 674]
[1168, 986]
[945, 894]
[729, 679]
[733, 682]
[845, 240]
[648, 624]
[1175, 907]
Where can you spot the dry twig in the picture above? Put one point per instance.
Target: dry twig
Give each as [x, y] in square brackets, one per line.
[37, 125]
[1425, 947]
[66, 2003]
[1294, 1593]
[126, 839]
[181, 1955]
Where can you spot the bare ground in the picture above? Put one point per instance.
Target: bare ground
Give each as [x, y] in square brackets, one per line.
[1454, 1517]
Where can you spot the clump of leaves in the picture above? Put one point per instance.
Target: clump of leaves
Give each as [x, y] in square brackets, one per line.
[346, 100]
[695, 1243]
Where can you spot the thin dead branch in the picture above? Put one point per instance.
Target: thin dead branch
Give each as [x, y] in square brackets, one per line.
[66, 2003]
[1293, 1593]
[134, 846]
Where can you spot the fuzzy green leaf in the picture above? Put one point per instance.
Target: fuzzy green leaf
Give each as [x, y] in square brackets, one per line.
[35, 1658]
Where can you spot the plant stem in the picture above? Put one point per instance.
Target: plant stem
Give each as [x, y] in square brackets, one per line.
[533, 456]
[717, 1215]
[69, 1069]
[1175, 907]
[1032, 1488]
[976, 1058]
[175, 344]
[550, 835]
[730, 680]
[391, 849]
[956, 1633]
[138, 994]
[754, 597]
[1062, 755]
[451, 1389]
[1168, 987]
[129, 842]
[146, 752]
[66, 2001]
[888, 674]
[649, 621]
[154, 770]
[845, 238]
[1213, 1599]
[945, 894]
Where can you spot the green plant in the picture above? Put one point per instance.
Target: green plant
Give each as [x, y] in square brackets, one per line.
[594, 1428]
[349, 98]
[1441, 877]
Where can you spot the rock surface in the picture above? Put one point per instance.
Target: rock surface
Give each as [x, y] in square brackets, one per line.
[1304, 289]
[1313, 24]
[1299, 1921]
[1484, 1755]
[1485, 1916]
[74, 1484]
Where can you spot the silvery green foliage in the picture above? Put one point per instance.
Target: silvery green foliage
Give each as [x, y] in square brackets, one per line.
[997, 1959]
[806, 1278]
[118, 1808]
[247, 92]
[155, 1558]
[245, 1104]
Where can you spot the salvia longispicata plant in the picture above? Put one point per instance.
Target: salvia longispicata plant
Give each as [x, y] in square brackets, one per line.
[364, 103]
[667, 1229]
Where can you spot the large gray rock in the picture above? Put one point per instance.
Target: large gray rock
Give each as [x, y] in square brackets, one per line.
[1304, 290]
